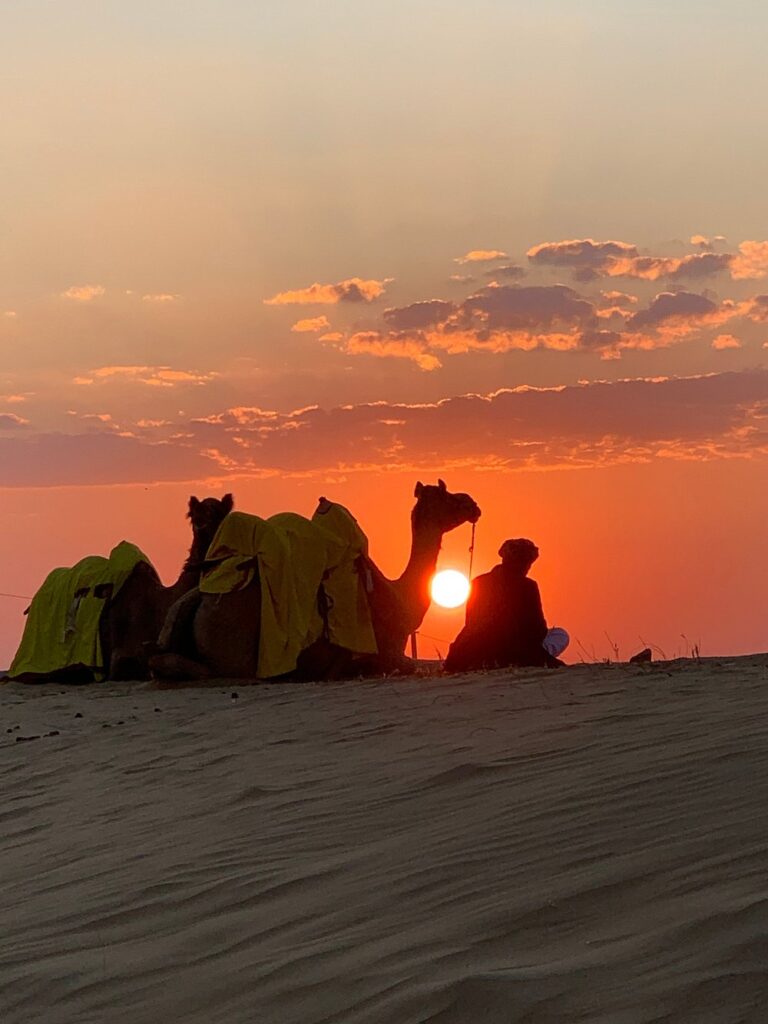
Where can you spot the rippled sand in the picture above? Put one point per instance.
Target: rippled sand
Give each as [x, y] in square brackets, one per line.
[588, 845]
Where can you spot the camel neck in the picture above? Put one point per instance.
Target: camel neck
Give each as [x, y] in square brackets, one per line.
[189, 577]
[413, 585]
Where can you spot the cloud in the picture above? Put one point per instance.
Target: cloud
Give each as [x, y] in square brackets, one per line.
[84, 292]
[723, 341]
[589, 259]
[461, 278]
[482, 256]
[10, 421]
[651, 268]
[723, 415]
[419, 314]
[10, 314]
[672, 316]
[511, 271]
[757, 309]
[586, 257]
[312, 324]
[152, 376]
[752, 261]
[160, 298]
[373, 344]
[503, 318]
[705, 242]
[355, 289]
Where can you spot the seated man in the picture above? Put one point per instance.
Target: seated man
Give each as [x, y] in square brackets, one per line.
[505, 624]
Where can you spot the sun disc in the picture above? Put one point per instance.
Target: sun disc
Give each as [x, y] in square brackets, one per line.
[449, 588]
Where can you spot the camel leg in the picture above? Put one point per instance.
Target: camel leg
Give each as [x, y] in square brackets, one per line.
[176, 633]
[176, 667]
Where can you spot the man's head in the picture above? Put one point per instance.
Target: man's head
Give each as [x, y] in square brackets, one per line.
[518, 554]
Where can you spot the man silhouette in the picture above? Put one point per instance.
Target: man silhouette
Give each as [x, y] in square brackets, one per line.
[505, 623]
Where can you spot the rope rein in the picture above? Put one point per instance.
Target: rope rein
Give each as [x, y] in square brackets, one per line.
[472, 550]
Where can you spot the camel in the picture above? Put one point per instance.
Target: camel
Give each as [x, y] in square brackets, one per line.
[130, 620]
[216, 635]
[133, 619]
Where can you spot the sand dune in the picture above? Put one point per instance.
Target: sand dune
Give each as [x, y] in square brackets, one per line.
[589, 845]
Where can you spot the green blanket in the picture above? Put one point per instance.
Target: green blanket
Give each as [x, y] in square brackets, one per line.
[62, 627]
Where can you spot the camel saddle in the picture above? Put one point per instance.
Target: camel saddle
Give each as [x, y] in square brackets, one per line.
[62, 627]
[310, 582]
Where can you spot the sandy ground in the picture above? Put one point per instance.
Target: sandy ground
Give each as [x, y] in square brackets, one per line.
[589, 844]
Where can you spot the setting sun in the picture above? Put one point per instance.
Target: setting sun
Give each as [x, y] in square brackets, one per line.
[449, 588]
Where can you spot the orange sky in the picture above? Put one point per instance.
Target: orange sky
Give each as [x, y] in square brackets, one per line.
[296, 249]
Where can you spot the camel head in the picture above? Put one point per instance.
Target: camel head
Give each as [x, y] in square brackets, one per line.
[437, 506]
[205, 517]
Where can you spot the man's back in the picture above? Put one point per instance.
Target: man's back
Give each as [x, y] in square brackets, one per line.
[505, 623]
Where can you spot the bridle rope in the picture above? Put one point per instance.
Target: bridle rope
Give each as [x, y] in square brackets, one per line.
[472, 550]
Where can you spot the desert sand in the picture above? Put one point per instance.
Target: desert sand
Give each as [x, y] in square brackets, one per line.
[584, 845]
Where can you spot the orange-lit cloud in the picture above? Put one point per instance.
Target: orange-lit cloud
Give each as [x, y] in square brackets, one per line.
[722, 415]
[354, 289]
[152, 376]
[373, 344]
[723, 341]
[588, 259]
[757, 309]
[705, 242]
[312, 324]
[674, 315]
[159, 298]
[83, 292]
[482, 256]
[503, 318]
[752, 261]
[585, 256]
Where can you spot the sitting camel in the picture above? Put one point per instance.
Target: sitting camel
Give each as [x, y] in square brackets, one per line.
[133, 618]
[108, 626]
[210, 635]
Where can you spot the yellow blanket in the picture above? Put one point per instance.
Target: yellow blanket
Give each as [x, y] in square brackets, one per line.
[293, 556]
[62, 627]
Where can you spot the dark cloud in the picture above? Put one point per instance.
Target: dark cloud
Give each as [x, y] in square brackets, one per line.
[668, 306]
[715, 416]
[10, 421]
[511, 271]
[418, 315]
[587, 258]
[537, 307]
[703, 264]
[757, 309]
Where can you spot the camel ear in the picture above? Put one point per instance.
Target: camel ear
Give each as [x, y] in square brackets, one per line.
[418, 489]
[193, 504]
[227, 503]
[441, 485]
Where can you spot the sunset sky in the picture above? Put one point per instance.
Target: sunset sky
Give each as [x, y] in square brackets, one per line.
[287, 249]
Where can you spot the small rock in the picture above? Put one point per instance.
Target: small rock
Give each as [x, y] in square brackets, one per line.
[53, 732]
[78, 714]
[645, 655]
[235, 696]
